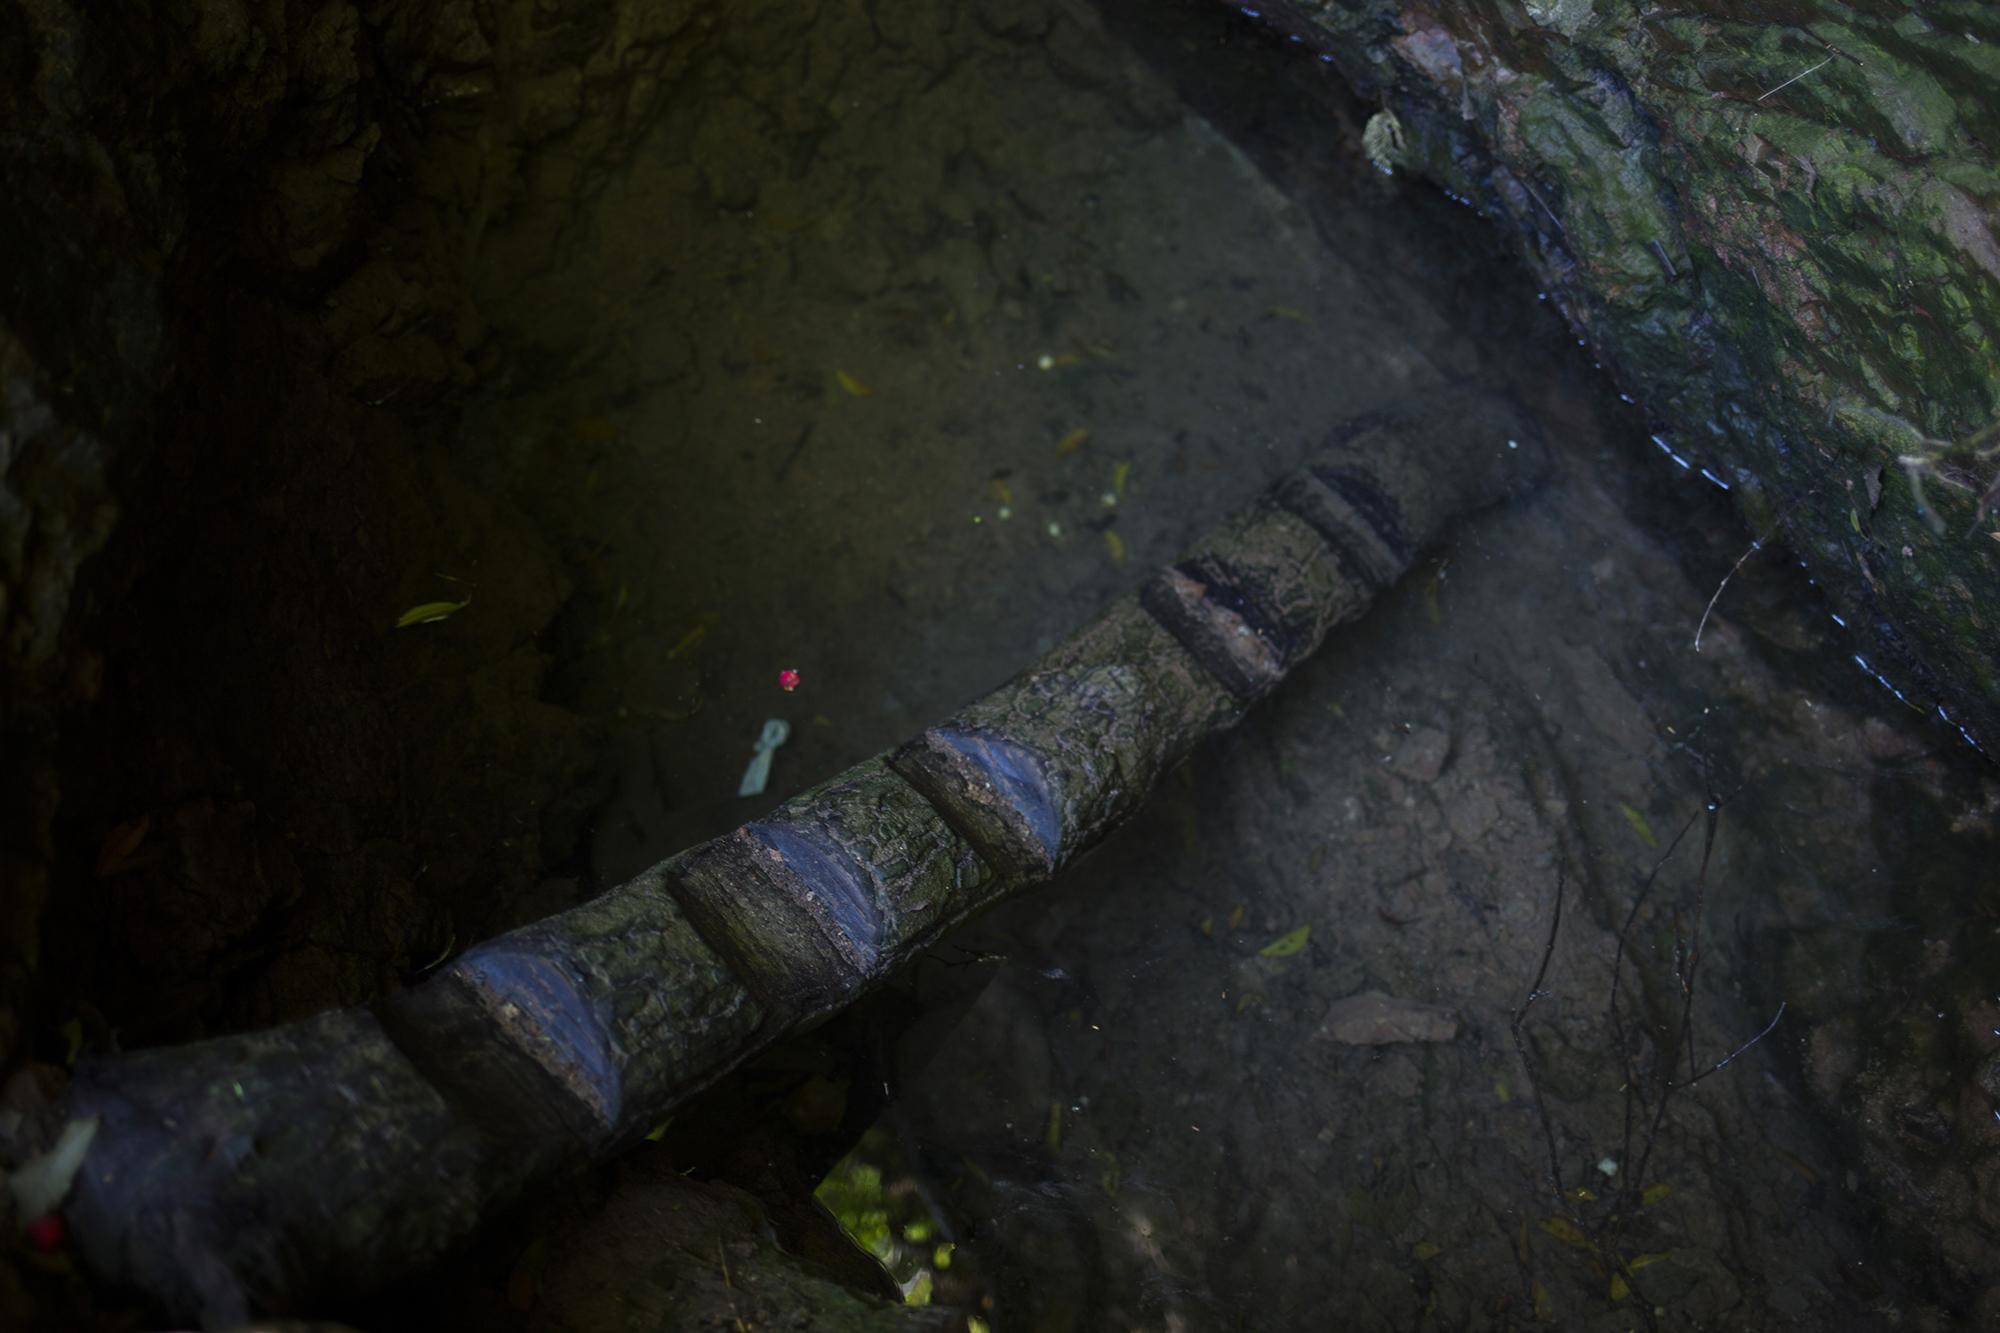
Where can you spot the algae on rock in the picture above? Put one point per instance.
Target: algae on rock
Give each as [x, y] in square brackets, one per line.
[1776, 222]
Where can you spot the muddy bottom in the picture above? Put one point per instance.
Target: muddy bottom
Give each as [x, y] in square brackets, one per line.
[1522, 961]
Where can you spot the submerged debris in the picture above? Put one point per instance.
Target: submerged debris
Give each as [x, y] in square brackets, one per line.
[1374, 1019]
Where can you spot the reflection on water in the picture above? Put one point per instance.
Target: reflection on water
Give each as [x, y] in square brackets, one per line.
[904, 339]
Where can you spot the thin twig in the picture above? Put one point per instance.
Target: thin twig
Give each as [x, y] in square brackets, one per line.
[1708, 610]
[1546, 209]
[1634, 1096]
[1691, 948]
[1535, 992]
[1768, 1029]
[1794, 79]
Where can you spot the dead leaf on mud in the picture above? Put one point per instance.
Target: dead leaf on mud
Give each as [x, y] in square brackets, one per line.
[114, 855]
[1374, 1019]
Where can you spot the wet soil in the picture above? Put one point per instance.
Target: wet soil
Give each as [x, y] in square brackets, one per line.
[842, 413]
[898, 343]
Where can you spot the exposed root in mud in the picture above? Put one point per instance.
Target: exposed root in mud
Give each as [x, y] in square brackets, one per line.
[1603, 1232]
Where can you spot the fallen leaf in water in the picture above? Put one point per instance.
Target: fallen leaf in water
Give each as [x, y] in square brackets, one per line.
[1639, 825]
[114, 854]
[1072, 442]
[854, 387]
[1374, 1019]
[1286, 944]
[1566, 1231]
[686, 643]
[430, 612]
[1119, 475]
[1115, 546]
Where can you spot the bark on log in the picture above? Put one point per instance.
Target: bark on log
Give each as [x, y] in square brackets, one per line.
[268, 1171]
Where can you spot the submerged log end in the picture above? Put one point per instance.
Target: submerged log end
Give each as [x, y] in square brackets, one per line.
[1256, 599]
[1050, 762]
[838, 887]
[995, 790]
[263, 1172]
[583, 1028]
[1390, 484]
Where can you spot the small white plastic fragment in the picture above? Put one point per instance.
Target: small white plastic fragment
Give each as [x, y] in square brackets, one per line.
[755, 777]
[41, 1182]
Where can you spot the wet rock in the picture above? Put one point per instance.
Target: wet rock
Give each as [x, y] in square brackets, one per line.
[1693, 189]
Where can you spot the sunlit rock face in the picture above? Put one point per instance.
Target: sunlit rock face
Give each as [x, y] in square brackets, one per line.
[1775, 223]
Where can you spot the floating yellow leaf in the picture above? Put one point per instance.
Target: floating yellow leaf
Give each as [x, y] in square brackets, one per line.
[1112, 1175]
[1854, 520]
[114, 854]
[1120, 473]
[430, 612]
[687, 642]
[1236, 914]
[1432, 608]
[657, 1132]
[1502, 1091]
[1286, 944]
[1072, 442]
[1545, 1307]
[999, 491]
[1114, 545]
[1248, 999]
[1654, 1193]
[1639, 825]
[853, 386]
[1208, 924]
[1566, 1231]
[941, 1256]
[1619, 1291]
[1290, 312]
[1583, 1194]
[1424, 1249]
[1646, 1261]
[1052, 1136]
[450, 942]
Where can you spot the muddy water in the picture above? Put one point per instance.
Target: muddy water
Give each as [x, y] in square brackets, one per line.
[905, 340]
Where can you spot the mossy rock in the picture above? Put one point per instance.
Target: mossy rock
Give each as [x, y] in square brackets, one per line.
[1775, 220]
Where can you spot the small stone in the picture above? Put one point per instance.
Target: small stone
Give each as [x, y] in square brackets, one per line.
[1420, 756]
